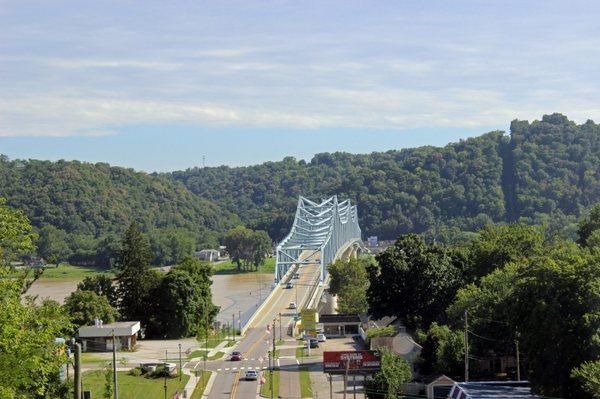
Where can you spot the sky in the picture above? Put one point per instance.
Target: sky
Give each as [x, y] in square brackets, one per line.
[162, 86]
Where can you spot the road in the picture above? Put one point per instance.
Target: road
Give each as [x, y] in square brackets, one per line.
[257, 341]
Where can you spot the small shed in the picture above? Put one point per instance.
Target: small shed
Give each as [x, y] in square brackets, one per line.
[340, 324]
[401, 344]
[99, 337]
[438, 386]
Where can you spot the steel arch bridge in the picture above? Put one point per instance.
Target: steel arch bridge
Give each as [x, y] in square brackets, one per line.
[321, 233]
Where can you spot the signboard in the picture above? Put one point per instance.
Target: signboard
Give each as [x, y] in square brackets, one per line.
[351, 362]
[310, 318]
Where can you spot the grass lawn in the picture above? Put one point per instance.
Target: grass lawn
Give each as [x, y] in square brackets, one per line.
[230, 267]
[300, 352]
[196, 353]
[265, 388]
[131, 387]
[305, 390]
[67, 271]
[87, 357]
[216, 356]
[197, 394]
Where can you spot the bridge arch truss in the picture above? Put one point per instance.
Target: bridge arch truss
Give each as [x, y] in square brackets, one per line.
[321, 232]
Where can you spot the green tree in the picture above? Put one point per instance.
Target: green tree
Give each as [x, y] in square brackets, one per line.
[260, 247]
[588, 225]
[16, 235]
[349, 281]
[588, 374]
[387, 383]
[136, 282]
[101, 284]
[85, 306]
[443, 351]
[414, 281]
[53, 244]
[247, 248]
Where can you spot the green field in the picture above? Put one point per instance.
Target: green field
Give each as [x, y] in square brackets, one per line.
[132, 387]
[265, 390]
[230, 267]
[305, 390]
[67, 271]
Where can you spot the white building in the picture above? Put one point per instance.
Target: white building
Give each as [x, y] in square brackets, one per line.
[99, 337]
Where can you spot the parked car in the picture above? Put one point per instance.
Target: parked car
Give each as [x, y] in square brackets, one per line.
[296, 276]
[236, 356]
[313, 343]
[292, 305]
[288, 285]
[251, 375]
[321, 337]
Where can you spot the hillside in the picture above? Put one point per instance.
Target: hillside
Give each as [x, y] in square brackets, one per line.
[80, 209]
[543, 172]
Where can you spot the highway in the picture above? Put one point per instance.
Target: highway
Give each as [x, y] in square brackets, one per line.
[257, 341]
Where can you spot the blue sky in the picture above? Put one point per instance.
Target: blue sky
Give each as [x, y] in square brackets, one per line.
[157, 85]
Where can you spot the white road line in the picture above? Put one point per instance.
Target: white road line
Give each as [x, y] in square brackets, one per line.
[242, 368]
[226, 368]
[234, 368]
[218, 369]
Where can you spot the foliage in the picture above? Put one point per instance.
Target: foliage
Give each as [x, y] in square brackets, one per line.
[443, 351]
[415, 281]
[108, 381]
[247, 248]
[101, 284]
[79, 208]
[349, 282]
[16, 236]
[387, 331]
[589, 225]
[85, 306]
[553, 301]
[589, 374]
[386, 383]
[136, 281]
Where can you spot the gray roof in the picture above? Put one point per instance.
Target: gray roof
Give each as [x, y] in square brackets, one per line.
[493, 390]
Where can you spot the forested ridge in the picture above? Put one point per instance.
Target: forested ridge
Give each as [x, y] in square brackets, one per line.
[80, 209]
[543, 172]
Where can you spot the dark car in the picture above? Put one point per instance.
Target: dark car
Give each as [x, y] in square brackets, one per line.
[313, 343]
[236, 356]
[288, 285]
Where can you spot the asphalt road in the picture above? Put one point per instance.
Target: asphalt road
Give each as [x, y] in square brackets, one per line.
[254, 345]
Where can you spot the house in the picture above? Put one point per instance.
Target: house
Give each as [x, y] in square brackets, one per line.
[492, 389]
[208, 255]
[99, 337]
[438, 386]
[340, 324]
[401, 344]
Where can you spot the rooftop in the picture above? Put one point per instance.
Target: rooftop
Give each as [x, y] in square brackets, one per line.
[492, 390]
[339, 318]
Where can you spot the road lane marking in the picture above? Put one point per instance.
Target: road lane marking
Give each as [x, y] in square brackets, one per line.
[236, 380]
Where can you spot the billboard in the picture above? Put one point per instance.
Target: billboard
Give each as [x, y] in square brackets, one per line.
[351, 362]
[310, 318]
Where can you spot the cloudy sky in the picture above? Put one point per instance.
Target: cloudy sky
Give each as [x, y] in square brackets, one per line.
[158, 85]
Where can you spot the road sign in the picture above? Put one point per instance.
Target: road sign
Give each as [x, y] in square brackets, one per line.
[310, 318]
[351, 362]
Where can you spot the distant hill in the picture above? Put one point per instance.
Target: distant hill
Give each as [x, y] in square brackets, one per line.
[80, 209]
[546, 171]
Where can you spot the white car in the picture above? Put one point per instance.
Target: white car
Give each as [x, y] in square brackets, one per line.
[292, 305]
[321, 337]
[251, 375]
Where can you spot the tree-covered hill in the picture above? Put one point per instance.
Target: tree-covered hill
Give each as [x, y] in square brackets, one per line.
[546, 171]
[80, 209]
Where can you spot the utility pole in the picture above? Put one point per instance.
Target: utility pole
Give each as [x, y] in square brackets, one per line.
[115, 381]
[518, 356]
[466, 347]
[271, 366]
[77, 371]
[330, 386]
[240, 322]
[180, 368]
[165, 385]
[274, 321]
[233, 325]
[280, 336]
[205, 342]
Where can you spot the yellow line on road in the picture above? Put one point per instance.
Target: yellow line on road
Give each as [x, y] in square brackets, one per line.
[236, 380]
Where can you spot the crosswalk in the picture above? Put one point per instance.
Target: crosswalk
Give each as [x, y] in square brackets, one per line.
[242, 368]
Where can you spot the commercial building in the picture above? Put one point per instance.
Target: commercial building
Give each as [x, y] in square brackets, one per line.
[99, 337]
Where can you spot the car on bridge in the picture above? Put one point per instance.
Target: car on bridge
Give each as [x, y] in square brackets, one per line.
[292, 305]
[236, 356]
[289, 285]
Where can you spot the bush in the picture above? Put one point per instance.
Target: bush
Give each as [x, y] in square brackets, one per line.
[388, 331]
[136, 372]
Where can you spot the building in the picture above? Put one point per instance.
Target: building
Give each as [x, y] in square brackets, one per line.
[208, 255]
[401, 344]
[438, 386]
[492, 389]
[99, 337]
[338, 325]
